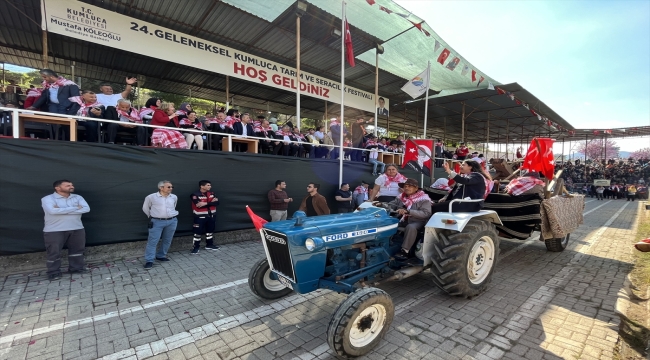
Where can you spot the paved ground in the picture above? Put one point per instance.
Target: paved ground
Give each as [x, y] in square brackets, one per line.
[541, 305]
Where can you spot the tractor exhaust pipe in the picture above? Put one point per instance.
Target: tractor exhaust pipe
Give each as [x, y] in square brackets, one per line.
[402, 274]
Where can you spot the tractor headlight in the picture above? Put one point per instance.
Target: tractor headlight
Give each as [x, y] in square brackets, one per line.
[310, 244]
[314, 244]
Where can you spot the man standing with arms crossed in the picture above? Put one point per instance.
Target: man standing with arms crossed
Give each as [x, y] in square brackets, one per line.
[160, 207]
[63, 226]
[279, 201]
[204, 208]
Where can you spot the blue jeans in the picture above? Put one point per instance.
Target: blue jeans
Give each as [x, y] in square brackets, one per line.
[374, 166]
[162, 229]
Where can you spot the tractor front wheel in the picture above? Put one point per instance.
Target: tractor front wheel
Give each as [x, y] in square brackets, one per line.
[265, 284]
[360, 322]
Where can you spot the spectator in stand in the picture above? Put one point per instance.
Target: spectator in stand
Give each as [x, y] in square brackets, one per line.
[387, 185]
[314, 204]
[399, 140]
[279, 201]
[361, 193]
[439, 149]
[12, 88]
[358, 132]
[265, 131]
[87, 106]
[320, 133]
[243, 128]
[32, 95]
[373, 155]
[109, 99]
[183, 111]
[146, 113]
[191, 122]
[167, 138]
[285, 146]
[462, 151]
[217, 125]
[335, 129]
[57, 91]
[274, 124]
[344, 199]
[304, 149]
[128, 116]
[315, 143]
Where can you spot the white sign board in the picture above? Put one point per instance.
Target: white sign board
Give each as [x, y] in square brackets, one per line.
[90, 23]
[601, 182]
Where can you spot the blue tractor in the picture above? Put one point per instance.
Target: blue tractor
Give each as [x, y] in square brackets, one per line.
[351, 253]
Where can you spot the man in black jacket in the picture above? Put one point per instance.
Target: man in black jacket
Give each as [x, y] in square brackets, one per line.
[56, 92]
[244, 128]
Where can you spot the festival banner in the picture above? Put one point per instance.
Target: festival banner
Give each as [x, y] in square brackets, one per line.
[100, 26]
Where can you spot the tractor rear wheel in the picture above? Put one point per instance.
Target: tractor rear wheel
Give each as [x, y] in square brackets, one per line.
[463, 262]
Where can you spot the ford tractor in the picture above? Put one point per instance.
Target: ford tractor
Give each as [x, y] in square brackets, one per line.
[352, 253]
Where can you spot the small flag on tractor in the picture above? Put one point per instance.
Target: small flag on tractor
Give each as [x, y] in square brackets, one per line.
[258, 222]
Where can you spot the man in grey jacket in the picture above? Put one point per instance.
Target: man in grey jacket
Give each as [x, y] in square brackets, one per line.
[415, 207]
[63, 226]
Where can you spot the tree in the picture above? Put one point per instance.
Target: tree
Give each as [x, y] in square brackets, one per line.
[641, 154]
[599, 149]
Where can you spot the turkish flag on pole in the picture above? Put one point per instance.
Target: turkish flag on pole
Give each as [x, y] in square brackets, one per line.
[540, 157]
[349, 51]
[258, 222]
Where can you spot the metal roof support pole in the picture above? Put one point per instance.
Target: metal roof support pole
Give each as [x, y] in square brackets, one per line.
[227, 93]
[444, 131]
[426, 101]
[487, 136]
[507, 136]
[298, 69]
[462, 130]
[45, 59]
[326, 116]
[417, 122]
[376, 88]
[562, 151]
[72, 70]
[341, 153]
[586, 144]
[3, 77]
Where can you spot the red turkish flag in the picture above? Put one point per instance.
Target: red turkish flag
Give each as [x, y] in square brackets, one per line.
[473, 75]
[258, 222]
[417, 156]
[349, 52]
[500, 90]
[370, 2]
[540, 158]
[443, 56]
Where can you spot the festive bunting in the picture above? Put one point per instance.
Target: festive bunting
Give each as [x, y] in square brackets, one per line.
[480, 81]
[596, 132]
[436, 46]
[572, 132]
[473, 75]
[419, 27]
[500, 90]
[532, 111]
[405, 16]
[465, 70]
[453, 63]
[443, 56]
[490, 86]
[608, 132]
[370, 2]
[539, 117]
[388, 11]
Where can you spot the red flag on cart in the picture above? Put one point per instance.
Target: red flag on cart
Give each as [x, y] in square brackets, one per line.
[258, 222]
[418, 156]
[349, 51]
[540, 158]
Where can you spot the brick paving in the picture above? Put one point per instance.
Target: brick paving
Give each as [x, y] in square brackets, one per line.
[540, 305]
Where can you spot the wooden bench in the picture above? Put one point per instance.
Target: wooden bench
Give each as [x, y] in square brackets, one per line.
[252, 144]
[47, 120]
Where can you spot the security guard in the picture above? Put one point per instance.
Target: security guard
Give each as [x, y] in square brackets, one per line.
[204, 207]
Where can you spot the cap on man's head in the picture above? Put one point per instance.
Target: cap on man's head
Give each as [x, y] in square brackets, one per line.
[411, 182]
[364, 183]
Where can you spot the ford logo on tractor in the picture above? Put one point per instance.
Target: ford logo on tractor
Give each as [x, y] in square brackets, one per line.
[275, 239]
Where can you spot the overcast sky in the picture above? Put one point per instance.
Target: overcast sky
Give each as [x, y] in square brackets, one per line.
[588, 60]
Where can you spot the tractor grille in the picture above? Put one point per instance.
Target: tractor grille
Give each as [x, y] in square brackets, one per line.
[279, 255]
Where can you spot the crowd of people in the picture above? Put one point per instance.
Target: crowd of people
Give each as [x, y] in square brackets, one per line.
[625, 176]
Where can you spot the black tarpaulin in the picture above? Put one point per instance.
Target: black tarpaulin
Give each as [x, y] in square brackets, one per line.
[115, 179]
